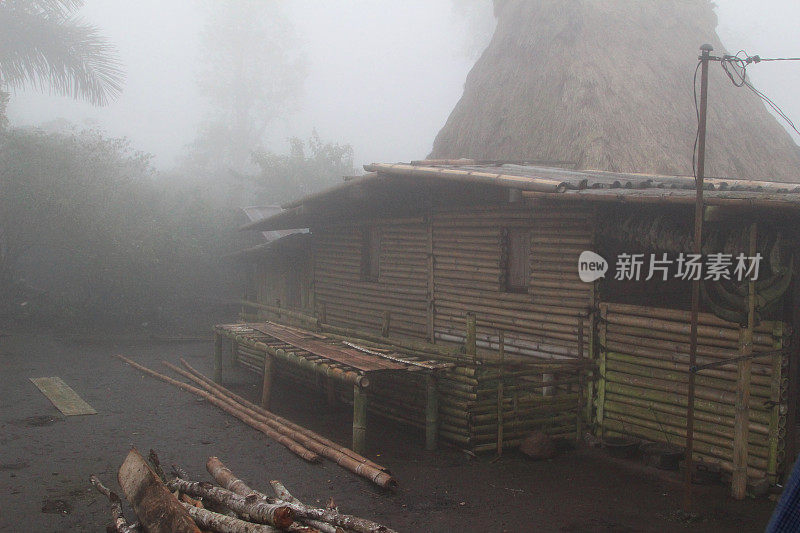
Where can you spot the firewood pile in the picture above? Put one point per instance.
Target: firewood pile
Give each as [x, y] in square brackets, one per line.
[303, 442]
[181, 505]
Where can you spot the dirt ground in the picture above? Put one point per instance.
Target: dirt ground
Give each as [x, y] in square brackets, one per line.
[46, 458]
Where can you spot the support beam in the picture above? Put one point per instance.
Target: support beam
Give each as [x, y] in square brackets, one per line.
[431, 412]
[266, 386]
[359, 420]
[741, 424]
[218, 342]
[386, 325]
[470, 344]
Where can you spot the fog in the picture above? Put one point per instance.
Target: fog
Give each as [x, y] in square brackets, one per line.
[240, 104]
[381, 75]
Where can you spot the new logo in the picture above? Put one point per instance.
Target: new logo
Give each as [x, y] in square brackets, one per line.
[591, 267]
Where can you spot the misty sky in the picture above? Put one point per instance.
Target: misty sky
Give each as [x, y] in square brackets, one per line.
[383, 75]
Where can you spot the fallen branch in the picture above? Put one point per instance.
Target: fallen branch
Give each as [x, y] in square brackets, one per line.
[118, 522]
[225, 477]
[358, 465]
[303, 511]
[232, 409]
[275, 514]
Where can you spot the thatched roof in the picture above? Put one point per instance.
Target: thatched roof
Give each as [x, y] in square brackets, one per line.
[607, 84]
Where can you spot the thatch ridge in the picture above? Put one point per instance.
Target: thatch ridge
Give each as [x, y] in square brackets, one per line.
[608, 84]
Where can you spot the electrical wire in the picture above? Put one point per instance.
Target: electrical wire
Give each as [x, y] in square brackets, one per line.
[735, 66]
[697, 114]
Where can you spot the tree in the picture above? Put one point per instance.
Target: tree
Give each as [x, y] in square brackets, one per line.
[308, 167]
[43, 44]
[253, 74]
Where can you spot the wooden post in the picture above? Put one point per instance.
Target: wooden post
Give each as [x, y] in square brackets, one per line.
[741, 424]
[578, 414]
[218, 341]
[431, 412]
[601, 381]
[775, 410]
[330, 391]
[266, 386]
[387, 320]
[471, 342]
[431, 284]
[359, 419]
[232, 355]
[501, 342]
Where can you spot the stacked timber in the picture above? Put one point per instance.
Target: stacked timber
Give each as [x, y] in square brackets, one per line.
[643, 387]
[469, 277]
[344, 298]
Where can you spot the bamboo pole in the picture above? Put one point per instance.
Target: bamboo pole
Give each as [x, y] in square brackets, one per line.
[232, 409]
[341, 455]
[359, 419]
[500, 392]
[431, 411]
[266, 386]
[741, 427]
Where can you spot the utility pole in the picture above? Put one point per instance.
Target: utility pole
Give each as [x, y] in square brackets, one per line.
[699, 212]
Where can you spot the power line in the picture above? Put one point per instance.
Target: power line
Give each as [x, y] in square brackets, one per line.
[735, 66]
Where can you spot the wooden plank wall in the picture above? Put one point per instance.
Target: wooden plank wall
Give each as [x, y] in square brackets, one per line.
[345, 299]
[468, 277]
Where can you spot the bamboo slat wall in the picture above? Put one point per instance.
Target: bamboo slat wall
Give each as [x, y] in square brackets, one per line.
[643, 384]
[469, 271]
[344, 298]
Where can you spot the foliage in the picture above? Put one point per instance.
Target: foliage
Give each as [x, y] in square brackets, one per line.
[43, 44]
[308, 167]
[253, 75]
[90, 236]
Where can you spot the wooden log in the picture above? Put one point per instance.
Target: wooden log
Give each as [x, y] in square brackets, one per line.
[118, 522]
[274, 514]
[347, 522]
[158, 510]
[211, 521]
[229, 481]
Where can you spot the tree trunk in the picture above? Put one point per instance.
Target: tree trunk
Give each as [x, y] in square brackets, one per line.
[157, 508]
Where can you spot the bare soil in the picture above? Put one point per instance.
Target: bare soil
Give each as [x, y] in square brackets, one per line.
[46, 458]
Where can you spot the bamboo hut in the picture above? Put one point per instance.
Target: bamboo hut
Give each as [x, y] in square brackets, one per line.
[476, 266]
[607, 85]
[463, 270]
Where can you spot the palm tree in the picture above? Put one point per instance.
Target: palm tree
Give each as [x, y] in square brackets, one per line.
[43, 44]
